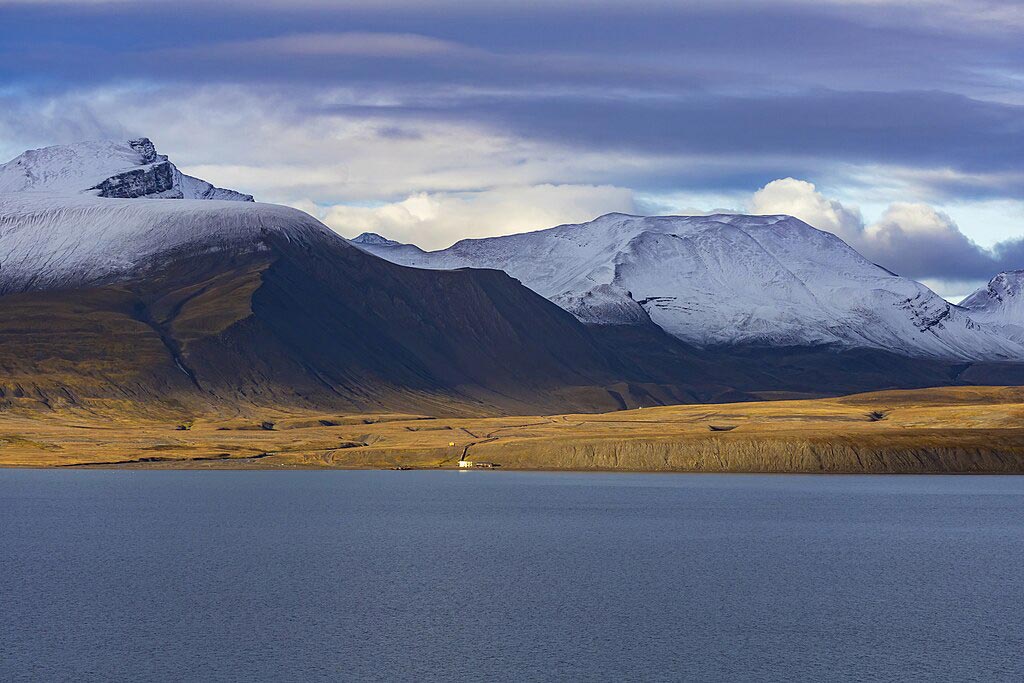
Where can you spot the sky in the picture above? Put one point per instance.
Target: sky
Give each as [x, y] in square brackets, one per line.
[899, 126]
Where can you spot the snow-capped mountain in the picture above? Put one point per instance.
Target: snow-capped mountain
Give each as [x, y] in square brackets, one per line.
[105, 168]
[724, 280]
[122, 278]
[148, 285]
[89, 212]
[1000, 304]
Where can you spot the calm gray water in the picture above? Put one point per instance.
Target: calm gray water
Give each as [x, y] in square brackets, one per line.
[297, 576]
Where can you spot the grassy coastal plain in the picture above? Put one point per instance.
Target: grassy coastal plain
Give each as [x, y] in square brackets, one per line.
[960, 429]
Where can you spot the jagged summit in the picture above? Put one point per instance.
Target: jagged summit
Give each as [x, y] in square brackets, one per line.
[726, 279]
[123, 169]
[1004, 290]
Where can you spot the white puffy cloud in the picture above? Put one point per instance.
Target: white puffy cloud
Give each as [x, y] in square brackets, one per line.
[924, 242]
[914, 239]
[801, 199]
[911, 239]
[436, 220]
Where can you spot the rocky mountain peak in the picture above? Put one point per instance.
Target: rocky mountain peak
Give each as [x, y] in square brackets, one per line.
[1005, 288]
[120, 169]
[146, 150]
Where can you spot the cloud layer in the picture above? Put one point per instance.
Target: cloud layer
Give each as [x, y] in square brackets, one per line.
[435, 221]
[433, 120]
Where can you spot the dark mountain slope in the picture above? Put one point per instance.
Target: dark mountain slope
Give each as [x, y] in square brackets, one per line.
[330, 324]
[302, 322]
[311, 323]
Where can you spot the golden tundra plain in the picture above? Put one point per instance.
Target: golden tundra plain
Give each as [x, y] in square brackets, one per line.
[961, 429]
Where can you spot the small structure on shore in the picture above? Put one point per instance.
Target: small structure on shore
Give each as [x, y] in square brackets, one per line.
[467, 464]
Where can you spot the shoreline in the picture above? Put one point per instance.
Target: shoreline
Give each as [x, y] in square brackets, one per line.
[499, 470]
[931, 431]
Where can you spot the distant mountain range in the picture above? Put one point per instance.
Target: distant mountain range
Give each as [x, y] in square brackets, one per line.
[735, 280]
[124, 282]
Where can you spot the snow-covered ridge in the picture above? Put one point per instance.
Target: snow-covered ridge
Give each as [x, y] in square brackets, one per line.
[725, 279]
[117, 169]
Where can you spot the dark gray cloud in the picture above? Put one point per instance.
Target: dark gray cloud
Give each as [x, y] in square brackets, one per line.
[915, 128]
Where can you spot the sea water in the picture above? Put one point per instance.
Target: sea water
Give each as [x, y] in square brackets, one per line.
[444, 575]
